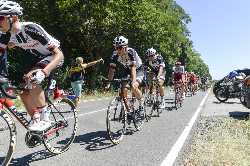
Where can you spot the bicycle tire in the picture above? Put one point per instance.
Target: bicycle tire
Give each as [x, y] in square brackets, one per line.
[7, 127]
[138, 115]
[115, 121]
[147, 104]
[178, 97]
[65, 118]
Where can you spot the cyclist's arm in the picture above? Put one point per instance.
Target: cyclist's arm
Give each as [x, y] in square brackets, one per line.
[57, 58]
[133, 73]
[160, 71]
[111, 72]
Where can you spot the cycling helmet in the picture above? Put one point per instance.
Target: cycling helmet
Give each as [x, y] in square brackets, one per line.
[114, 41]
[8, 8]
[151, 51]
[120, 41]
[178, 63]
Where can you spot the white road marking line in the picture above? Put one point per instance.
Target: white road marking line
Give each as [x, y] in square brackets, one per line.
[92, 112]
[172, 155]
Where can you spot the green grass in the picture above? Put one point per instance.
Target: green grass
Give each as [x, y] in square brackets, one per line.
[97, 94]
[222, 141]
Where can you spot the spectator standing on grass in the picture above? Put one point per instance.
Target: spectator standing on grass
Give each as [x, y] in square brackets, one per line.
[77, 75]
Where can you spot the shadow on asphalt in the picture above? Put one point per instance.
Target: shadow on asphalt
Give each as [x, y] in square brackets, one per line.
[239, 115]
[227, 102]
[94, 141]
[26, 160]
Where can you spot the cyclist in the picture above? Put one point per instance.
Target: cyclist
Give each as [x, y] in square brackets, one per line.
[131, 63]
[156, 64]
[4, 39]
[178, 75]
[46, 52]
[193, 81]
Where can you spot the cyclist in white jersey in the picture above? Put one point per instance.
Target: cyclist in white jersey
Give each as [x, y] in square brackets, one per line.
[45, 49]
[131, 63]
[156, 64]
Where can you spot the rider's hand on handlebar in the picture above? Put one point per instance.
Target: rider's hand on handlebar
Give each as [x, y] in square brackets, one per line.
[107, 86]
[101, 61]
[35, 76]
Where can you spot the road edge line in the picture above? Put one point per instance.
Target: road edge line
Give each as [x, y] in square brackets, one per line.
[176, 148]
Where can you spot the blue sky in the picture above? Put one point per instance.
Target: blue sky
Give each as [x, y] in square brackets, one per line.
[220, 30]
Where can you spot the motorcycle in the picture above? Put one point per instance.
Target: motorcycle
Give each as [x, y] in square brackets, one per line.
[246, 93]
[229, 87]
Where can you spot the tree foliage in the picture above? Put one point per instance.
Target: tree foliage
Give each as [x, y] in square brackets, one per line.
[87, 28]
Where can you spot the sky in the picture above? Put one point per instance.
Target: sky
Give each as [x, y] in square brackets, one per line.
[220, 31]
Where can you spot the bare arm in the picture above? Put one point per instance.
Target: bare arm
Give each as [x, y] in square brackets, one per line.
[93, 63]
[111, 72]
[133, 73]
[57, 58]
[160, 71]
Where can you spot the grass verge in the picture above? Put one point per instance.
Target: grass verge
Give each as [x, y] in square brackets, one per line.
[220, 141]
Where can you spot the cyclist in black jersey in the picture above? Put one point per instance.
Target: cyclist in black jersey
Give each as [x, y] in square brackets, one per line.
[155, 63]
[45, 50]
[131, 63]
[4, 39]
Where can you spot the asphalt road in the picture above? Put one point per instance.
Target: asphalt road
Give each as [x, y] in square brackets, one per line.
[91, 147]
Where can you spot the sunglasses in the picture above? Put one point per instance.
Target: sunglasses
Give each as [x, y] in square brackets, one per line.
[118, 48]
[2, 18]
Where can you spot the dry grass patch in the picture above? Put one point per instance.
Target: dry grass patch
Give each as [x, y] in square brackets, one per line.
[222, 141]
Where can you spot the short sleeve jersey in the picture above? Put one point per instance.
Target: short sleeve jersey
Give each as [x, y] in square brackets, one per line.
[180, 69]
[156, 64]
[132, 58]
[4, 39]
[33, 38]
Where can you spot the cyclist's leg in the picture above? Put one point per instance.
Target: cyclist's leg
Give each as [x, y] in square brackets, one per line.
[161, 87]
[135, 87]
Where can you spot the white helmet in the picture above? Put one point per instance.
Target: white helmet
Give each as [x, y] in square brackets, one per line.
[120, 41]
[151, 51]
[8, 8]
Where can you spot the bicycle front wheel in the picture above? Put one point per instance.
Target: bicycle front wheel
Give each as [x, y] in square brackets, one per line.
[138, 113]
[58, 138]
[7, 138]
[115, 121]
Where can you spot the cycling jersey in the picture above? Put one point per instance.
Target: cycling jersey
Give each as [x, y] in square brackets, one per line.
[179, 69]
[33, 38]
[127, 60]
[4, 39]
[156, 64]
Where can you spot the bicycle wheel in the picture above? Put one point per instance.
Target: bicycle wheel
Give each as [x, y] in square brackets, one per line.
[138, 113]
[7, 138]
[115, 120]
[177, 97]
[147, 105]
[58, 138]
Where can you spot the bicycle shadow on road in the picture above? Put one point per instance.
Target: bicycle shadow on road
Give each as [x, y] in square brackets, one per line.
[227, 102]
[239, 115]
[26, 160]
[94, 140]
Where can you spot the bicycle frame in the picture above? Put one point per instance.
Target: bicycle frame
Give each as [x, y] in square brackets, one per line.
[13, 110]
[9, 104]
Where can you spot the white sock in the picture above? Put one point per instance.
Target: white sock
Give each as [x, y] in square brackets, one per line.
[45, 113]
[36, 117]
[141, 101]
